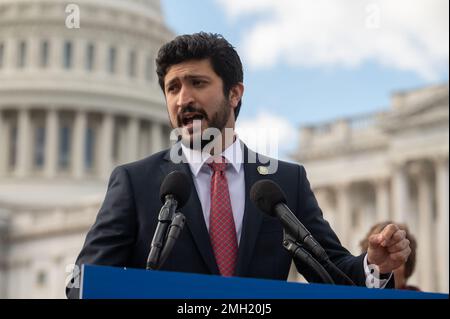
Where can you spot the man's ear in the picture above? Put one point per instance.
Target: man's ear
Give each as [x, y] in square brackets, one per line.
[235, 94]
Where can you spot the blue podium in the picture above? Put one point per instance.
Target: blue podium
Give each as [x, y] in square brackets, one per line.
[100, 282]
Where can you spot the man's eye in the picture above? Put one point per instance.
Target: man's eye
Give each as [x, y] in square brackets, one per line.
[171, 88]
[197, 82]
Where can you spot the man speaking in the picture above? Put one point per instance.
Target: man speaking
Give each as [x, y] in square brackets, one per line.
[225, 233]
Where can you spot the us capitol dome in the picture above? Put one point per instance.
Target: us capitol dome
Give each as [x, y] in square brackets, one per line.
[74, 103]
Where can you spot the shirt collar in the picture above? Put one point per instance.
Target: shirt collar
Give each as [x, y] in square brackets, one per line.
[197, 159]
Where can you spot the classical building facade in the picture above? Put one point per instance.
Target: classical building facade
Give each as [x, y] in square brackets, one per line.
[392, 165]
[74, 103]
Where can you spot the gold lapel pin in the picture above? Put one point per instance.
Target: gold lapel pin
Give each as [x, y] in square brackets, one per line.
[263, 170]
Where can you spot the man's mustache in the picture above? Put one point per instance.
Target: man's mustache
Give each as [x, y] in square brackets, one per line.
[190, 109]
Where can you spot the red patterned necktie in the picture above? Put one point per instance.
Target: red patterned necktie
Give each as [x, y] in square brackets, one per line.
[221, 223]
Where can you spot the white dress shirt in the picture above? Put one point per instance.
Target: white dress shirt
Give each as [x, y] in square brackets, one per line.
[198, 163]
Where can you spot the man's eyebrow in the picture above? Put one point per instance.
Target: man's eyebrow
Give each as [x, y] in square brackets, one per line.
[170, 82]
[189, 77]
[196, 76]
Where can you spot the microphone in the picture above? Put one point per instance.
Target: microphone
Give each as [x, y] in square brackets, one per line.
[270, 198]
[174, 193]
[177, 186]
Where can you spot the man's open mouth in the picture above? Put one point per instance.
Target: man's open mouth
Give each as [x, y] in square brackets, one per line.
[189, 118]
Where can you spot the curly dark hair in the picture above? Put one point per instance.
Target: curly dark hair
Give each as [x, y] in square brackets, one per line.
[198, 46]
[410, 264]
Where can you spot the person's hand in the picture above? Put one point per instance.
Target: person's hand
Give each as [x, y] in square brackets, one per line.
[388, 249]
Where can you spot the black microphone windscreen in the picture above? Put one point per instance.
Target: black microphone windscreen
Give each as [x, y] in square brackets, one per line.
[265, 194]
[176, 183]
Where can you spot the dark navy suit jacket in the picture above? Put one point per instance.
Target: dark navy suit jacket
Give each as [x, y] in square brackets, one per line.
[123, 230]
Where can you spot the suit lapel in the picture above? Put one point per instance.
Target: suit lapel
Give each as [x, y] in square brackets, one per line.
[252, 216]
[195, 220]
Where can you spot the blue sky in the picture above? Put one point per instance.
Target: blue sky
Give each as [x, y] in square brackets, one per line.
[300, 79]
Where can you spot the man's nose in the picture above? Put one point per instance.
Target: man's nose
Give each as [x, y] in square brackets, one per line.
[185, 97]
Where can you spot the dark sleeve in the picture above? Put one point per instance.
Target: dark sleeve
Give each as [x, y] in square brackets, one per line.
[311, 216]
[110, 239]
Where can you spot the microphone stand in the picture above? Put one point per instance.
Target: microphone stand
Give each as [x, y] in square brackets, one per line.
[164, 219]
[301, 254]
[174, 232]
[303, 236]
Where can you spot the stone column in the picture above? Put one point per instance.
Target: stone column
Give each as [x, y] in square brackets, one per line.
[79, 54]
[79, 141]
[3, 145]
[150, 74]
[400, 193]
[425, 216]
[132, 139]
[144, 141]
[344, 212]
[382, 199]
[23, 143]
[132, 69]
[51, 143]
[306, 135]
[442, 225]
[4, 229]
[156, 132]
[122, 142]
[10, 49]
[34, 52]
[101, 56]
[106, 144]
[56, 52]
[122, 61]
[56, 271]
[141, 68]
[327, 205]
[341, 130]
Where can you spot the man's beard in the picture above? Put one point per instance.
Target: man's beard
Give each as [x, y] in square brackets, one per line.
[197, 139]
